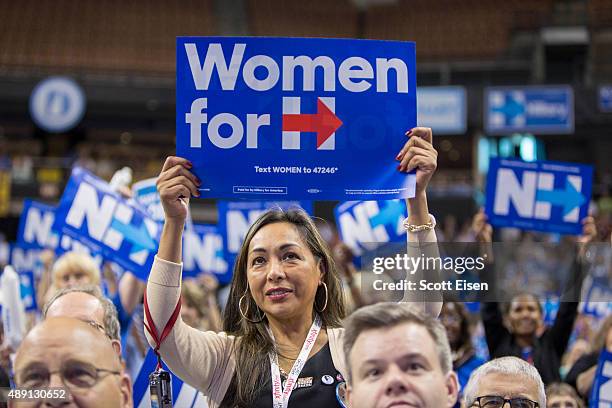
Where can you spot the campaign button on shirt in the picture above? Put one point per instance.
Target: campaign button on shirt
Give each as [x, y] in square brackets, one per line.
[327, 379]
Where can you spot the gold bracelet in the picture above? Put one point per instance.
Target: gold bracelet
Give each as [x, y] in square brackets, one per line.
[418, 228]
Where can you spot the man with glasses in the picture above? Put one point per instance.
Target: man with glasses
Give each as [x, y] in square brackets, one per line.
[86, 303]
[506, 382]
[73, 355]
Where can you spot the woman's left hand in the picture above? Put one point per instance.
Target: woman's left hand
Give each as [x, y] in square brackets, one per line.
[418, 153]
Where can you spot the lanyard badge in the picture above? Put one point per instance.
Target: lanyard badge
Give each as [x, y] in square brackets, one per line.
[280, 394]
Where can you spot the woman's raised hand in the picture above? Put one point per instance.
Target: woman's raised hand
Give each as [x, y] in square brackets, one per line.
[418, 153]
[175, 184]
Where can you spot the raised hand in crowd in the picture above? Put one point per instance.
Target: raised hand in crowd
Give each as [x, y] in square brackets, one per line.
[175, 184]
[343, 256]
[418, 153]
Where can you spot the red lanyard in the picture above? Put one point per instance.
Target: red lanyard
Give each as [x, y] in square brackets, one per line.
[153, 330]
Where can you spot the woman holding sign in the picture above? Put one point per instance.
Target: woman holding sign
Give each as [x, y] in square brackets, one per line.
[282, 340]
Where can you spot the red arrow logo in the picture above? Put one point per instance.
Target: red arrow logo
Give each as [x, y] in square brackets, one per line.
[323, 123]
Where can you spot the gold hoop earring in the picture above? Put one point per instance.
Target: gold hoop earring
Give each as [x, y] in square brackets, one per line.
[326, 296]
[244, 314]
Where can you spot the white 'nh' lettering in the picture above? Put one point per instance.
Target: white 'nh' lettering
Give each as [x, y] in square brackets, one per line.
[85, 206]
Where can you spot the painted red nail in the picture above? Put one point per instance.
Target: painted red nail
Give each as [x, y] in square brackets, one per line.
[408, 133]
[398, 157]
[399, 167]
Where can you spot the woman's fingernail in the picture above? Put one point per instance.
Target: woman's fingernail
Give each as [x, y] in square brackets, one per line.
[398, 157]
[399, 167]
[408, 133]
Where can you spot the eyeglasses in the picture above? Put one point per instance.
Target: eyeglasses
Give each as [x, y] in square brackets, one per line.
[494, 401]
[98, 326]
[76, 375]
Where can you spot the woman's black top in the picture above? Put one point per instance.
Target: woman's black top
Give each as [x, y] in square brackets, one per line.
[316, 385]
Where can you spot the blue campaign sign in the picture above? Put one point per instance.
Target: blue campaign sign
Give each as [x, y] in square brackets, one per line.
[605, 98]
[203, 253]
[442, 108]
[24, 259]
[91, 212]
[35, 226]
[601, 393]
[365, 225]
[596, 298]
[28, 291]
[295, 118]
[540, 196]
[145, 193]
[235, 218]
[529, 109]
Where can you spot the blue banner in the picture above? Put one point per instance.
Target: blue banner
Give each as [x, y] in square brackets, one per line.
[28, 291]
[601, 393]
[25, 260]
[540, 196]
[295, 118]
[183, 395]
[605, 98]
[365, 225]
[35, 226]
[442, 108]
[596, 298]
[203, 253]
[537, 109]
[145, 193]
[91, 212]
[235, 218]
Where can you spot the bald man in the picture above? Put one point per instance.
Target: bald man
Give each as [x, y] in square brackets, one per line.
[88, 304]
[79, 357]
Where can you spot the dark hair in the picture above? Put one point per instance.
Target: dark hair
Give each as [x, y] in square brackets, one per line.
[255, 344]
[465, 334]
[508, 305]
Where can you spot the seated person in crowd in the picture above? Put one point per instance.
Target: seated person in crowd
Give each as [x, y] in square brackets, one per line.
[397, 356]
[505, 380]
[53, 355]
[561, 395]
[582, 374]
[523, 336]
[88, 304]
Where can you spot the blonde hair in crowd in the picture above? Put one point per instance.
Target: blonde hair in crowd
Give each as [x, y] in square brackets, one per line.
[72, 261]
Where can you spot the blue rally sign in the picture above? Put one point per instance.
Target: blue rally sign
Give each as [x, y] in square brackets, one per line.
[94, 214]
[145, 193]
[442, 108]
[203, 253]
[529, 109]
[605, 98]
[365, 225]
[35, 226]
[541, 196]
[235, 218]
[601, 393]
[295, 118]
